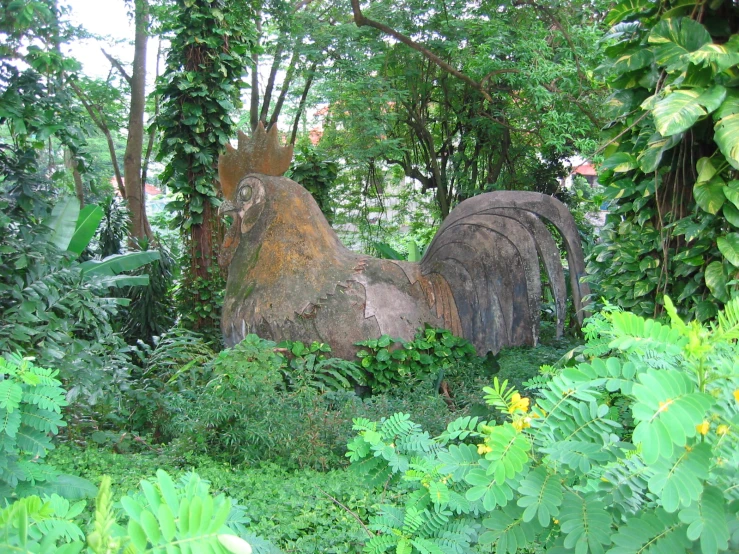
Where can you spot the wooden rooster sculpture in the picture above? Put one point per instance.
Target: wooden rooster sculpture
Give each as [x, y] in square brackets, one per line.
[289, 276]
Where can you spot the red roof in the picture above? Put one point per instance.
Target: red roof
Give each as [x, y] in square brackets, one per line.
[585, 169]
[151, 190]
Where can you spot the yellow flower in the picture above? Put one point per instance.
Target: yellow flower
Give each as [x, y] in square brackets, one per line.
[736, 395]
[556, 521]
[518, 403]
[483, 449]
[722, 429]
[664, 406]
[703, 428]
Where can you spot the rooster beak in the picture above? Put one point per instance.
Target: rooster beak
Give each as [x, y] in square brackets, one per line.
[226, 207]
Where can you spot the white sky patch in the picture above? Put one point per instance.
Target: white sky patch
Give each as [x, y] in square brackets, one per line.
[110, 19]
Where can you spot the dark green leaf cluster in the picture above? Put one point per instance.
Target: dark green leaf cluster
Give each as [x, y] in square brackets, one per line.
[561, 473]
[309, 366]
[200, 89]
[671, 160]
[390, 362]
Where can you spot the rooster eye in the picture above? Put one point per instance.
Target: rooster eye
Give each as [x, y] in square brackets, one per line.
[245, 193]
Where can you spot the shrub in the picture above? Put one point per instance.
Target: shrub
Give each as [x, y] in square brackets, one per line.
[391, 362]
[167, 515]
[559, 473]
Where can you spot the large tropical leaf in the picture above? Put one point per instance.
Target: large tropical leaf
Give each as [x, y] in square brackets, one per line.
[716, 280]
[675, 39]
[118, 263]
[678, 111]
[727, 128]
[627, 9]
[709, 195]
[723, 56]
[87, 224]
[729, 247]
[62, 222]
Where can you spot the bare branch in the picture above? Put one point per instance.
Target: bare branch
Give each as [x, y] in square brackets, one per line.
[117, 65]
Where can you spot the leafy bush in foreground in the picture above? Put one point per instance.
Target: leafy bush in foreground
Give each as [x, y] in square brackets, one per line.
[558, 473]
[176, 517]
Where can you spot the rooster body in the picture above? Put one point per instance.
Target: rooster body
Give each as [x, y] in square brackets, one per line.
[290, 277]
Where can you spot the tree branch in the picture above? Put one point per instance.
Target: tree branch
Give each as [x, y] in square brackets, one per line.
[362, 21]
[117, 65]
[97, 118]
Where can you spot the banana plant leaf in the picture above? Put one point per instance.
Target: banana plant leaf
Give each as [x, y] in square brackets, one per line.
[63, 222]
[87, 224]
[118, 263]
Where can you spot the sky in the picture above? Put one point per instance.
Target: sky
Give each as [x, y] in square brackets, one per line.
[108, 18]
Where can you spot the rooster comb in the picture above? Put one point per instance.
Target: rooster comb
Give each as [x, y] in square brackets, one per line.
[262, 153]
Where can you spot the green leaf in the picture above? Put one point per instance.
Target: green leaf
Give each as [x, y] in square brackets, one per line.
[11, 394]
[509, 452]
[716, 280]
[118, 263]
[729, 247]
[678, 111]
[541, 496]
[62, 222]
[675, 39]
[650, 158]
[707, 520]
[667, 408]
[731, 214]
[732, 192]
[87, 224]
[719, 55]
[650, 531]
[727, 128]
[679, 482]
[710, 195]
[585, 522]
[712, 98]
[626, 10]
[620, 162]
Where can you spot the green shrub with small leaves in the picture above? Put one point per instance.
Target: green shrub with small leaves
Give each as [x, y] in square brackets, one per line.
[166, 516]
[31, 401]
[309, 366]
[558, 473]
[391, 362]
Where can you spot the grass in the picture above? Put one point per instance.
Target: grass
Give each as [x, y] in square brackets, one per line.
[297, 510]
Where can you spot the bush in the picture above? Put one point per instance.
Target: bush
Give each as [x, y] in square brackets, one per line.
[166, 515]
[559, 474]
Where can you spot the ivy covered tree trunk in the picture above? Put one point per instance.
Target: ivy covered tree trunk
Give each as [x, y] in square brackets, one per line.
[199, 89]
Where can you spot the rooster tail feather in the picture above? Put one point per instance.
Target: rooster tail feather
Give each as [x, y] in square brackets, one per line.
[490, 250]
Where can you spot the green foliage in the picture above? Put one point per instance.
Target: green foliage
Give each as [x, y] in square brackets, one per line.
[178, 517]
[559, 474]
[390, 362]
[31, 400]
[670, 158]
[150, 312]
[200, 89]
[308, 366]
[295, 509]
[317, 175]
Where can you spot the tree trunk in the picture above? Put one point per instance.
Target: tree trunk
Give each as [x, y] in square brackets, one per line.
[135, 193]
